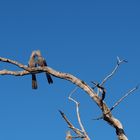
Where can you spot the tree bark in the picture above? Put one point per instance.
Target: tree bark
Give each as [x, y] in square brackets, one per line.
[107, 115]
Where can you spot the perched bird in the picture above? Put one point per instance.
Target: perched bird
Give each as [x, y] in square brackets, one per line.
[32, 64]
[40, 61]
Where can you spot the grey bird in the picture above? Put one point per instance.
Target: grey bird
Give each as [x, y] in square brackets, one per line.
[40, 61]
[32, 64]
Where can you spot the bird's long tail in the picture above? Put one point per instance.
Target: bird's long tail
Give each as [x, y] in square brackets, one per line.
[34, 81]
[50, 81]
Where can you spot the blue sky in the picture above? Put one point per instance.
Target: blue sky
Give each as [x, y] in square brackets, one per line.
[79, 37]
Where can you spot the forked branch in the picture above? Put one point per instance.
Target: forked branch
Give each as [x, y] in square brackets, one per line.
[80, 133]
[118, 102]
[78, 114]
[119, 62]
[108, 117]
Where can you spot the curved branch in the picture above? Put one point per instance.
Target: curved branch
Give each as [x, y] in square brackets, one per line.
[76, 130]
[14, 63]
[102, 105]
[119, 62]
[78, 114]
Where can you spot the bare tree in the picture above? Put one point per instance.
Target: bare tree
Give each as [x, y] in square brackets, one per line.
[94, 95]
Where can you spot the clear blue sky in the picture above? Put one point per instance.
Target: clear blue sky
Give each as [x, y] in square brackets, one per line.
[82, 38]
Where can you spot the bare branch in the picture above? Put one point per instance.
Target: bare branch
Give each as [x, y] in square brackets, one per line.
[77, 131]
[100, 89]
[99, 118]
[81, 133]
[14, 73]
[121, 99]
[118, 102]
[80, 83]
[78, 113]
[14, 63]
[71, 95]
[119, 62]
[26, 69]
[70, 137]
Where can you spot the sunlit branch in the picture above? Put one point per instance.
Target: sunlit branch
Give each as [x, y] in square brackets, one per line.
[118, 102]
[115, 123]
[100, 89]
[70, 125]
[121, 99]
[78, 113]
[14, 63]
[119, 62]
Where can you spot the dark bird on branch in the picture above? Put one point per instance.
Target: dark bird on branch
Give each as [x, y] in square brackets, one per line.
[32, 64]
[40, 61]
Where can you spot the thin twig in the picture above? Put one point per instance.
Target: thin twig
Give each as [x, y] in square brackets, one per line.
[78, 113]
[74, 90]
[100, 89]
[121, 99]
[77, 131]
[118, 102]
[77, 109]
[96, 86]
[99, 118]
[70, 137]
[119, 62]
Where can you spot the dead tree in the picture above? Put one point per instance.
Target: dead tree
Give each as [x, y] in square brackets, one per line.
[94, 95]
